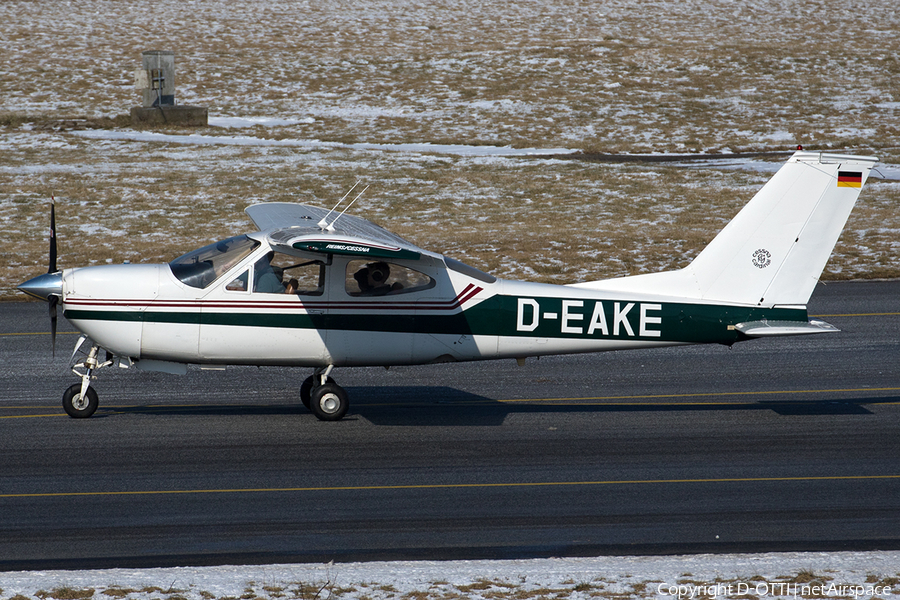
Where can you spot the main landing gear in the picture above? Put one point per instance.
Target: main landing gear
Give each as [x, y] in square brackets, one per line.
[325, 398]
[319, 393]
[80, 400]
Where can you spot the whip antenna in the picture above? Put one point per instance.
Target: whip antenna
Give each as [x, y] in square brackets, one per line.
[331, 227]
[324, 222]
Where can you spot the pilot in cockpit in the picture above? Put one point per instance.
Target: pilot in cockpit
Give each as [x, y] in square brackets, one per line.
[264, 278]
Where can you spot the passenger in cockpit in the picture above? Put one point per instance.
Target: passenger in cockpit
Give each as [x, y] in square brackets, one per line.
[372, 280]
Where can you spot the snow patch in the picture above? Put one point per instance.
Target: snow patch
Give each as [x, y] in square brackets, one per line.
[755, 576]
[212, 140]
[241, 122]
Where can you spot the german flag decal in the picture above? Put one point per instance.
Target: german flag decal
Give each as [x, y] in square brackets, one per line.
[849, 179]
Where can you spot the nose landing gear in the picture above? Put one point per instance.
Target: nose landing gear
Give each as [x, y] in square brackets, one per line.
[80, 400]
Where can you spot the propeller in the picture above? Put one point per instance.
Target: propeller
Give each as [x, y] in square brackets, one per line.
[53, 302]
[52, 268]
[49, 286]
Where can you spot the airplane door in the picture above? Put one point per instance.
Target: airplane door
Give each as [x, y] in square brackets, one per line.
[371, 320]
[268, 315]
[370, 333]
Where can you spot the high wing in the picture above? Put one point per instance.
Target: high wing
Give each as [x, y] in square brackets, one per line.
[296, 226]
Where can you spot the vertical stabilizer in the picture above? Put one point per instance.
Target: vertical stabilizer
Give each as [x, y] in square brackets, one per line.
[774, 250]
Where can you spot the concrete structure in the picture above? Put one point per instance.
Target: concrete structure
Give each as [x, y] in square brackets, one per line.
[156, 80]
[159, 88]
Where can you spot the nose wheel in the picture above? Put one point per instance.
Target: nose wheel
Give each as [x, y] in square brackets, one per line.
[324, 397]
[78, 403]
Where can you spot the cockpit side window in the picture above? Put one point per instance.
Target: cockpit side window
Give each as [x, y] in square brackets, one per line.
[366, 278]
[203, 266]
[239, 283]
[277, 273]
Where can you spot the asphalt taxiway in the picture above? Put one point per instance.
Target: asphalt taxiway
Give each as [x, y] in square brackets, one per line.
[781, 444]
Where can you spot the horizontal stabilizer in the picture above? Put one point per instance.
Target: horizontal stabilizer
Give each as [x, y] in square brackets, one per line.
[756, 329]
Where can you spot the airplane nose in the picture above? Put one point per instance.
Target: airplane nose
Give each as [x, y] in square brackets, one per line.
[44, 286]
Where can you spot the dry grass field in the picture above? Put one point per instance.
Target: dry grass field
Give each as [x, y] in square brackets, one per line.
[698, 76]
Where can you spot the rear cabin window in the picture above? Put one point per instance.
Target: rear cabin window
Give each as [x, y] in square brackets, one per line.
[380, 278]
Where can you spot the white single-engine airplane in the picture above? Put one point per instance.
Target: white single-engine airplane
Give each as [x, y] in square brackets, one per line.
[314, 290]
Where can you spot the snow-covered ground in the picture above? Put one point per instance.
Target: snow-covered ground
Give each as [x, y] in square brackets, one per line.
[616, 74]
[841, 575]
[440, 105]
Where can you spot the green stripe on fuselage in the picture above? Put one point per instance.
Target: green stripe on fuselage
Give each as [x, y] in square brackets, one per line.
[578, 318]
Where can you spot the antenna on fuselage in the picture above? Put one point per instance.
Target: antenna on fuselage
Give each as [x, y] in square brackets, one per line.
[323, 224]
[331, 227]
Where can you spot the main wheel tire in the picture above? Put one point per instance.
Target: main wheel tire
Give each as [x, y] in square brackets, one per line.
[329, 402]
[79, 407]
[306, 389]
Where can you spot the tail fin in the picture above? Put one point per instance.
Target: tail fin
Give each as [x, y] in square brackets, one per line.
[774, 250]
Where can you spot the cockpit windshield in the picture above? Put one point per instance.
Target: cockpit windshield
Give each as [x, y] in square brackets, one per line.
[203, 266]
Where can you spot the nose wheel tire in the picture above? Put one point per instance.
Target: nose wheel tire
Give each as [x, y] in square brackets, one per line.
[78, 406]
[329, 402]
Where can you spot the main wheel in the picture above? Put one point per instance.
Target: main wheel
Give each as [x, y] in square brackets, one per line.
[329, 402]
[307, 386]
[78, 406]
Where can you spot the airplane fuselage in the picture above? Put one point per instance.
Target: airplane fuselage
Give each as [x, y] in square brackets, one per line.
[153, 315]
